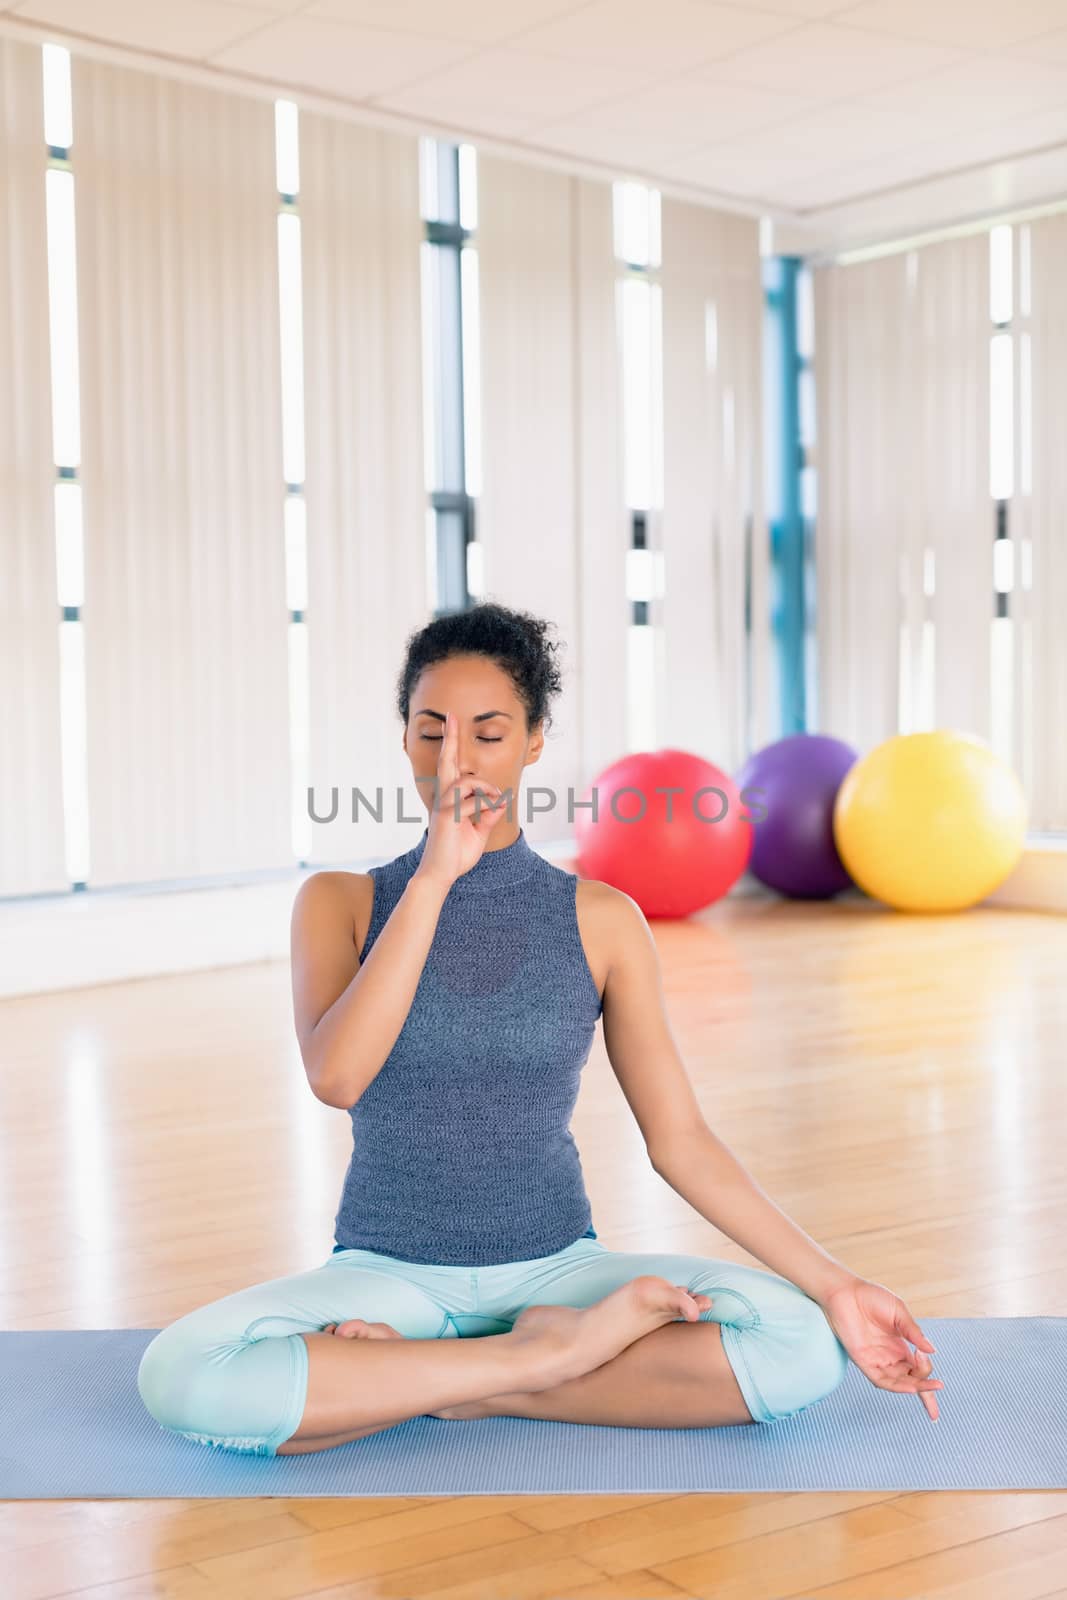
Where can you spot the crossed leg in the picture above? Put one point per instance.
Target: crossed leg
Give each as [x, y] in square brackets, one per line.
[677, 1376]
[597, 1404]
[257, 1370]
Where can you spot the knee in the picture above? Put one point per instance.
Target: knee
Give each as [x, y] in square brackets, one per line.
[813, 1361]
[827, 1360]
[179, 1382]
[235, 1394]
[160, 1377]
[152, 1375]
[785, 1355]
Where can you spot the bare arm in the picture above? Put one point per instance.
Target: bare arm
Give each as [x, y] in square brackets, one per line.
[681, 1146]
[348, 1016]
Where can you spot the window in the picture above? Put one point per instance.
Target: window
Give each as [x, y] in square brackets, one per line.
[1001, 474]
[66, 453]
[639, 313]
[790, 480]
[451, 371]
[291, 328]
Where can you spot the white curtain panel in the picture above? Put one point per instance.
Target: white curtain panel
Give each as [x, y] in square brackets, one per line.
[949, 403]
[185, 605]
[551, 516]
[716, 686]
[1038, 514]
[32, 852]
[598, 649]
[905, 521]
[366, 493]
[864, 447]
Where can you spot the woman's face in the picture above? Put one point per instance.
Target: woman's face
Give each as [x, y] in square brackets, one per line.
[495, 748]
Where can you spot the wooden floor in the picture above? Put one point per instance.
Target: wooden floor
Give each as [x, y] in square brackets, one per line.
[895, 1083]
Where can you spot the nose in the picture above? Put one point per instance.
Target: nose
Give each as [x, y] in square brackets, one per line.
[468, 764]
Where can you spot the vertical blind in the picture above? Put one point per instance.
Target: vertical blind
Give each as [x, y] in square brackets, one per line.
[185, 607]
[948, 400]
[901, 365]
[906, 510]
[551, 515]
[1039, 512]
[867, 520]
[603, 534]
[714, 533]
[31, 802]
[366, 496]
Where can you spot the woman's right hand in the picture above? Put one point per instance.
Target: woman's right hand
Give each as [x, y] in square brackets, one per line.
[454, 846]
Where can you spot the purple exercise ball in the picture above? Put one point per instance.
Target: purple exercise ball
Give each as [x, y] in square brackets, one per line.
[793, 849]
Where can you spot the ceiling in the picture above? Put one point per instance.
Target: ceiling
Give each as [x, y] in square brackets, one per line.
[849, 123]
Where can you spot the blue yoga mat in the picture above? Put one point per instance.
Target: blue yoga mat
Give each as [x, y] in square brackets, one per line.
[75, 1427]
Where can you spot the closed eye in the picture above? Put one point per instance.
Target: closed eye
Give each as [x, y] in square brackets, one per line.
[435, 738]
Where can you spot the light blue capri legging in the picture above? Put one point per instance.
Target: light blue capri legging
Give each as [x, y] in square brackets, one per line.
[233, 1374]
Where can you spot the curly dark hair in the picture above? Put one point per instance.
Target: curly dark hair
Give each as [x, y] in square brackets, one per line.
[517, 641]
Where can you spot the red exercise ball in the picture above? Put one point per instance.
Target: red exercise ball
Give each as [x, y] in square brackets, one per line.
[672, 853]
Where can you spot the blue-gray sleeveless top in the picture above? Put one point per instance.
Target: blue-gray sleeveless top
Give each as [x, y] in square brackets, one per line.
[462, 1150]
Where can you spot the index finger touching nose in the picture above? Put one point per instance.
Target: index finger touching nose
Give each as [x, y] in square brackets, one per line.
[446, 759]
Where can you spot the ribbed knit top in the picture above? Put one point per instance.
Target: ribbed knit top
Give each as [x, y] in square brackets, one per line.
[462, 1150]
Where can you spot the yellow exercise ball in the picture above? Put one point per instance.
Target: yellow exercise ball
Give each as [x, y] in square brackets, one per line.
[930, 821]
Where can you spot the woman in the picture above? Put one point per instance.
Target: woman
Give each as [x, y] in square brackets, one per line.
[448, 999]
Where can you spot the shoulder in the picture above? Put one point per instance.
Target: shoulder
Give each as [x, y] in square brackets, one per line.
[614, 904]
[597, 895]
[337, 883]
[350, 892]
[614, 920]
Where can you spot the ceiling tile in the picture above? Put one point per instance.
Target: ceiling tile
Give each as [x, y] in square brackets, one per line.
[684, 111]
[449, 117]
[665, 37]
[626, 151]
[472, 21]
[971, 24]
[734, 171]
[524, 89]
[827, 60]
[280, 7]
[972, 94]
[336, 58]
[800, 9]
[193, 28]
[910, 208]
[819, 137]
[930, 160]
[819, 189]
[1050, 47]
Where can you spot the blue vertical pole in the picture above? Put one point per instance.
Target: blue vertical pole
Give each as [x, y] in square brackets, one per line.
[782, 477]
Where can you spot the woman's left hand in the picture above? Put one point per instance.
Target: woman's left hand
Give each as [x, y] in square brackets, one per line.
[874, 1326]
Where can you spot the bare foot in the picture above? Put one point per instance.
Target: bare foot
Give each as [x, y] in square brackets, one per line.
[636, 1308]
[356, 1328]
[565, 1342]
